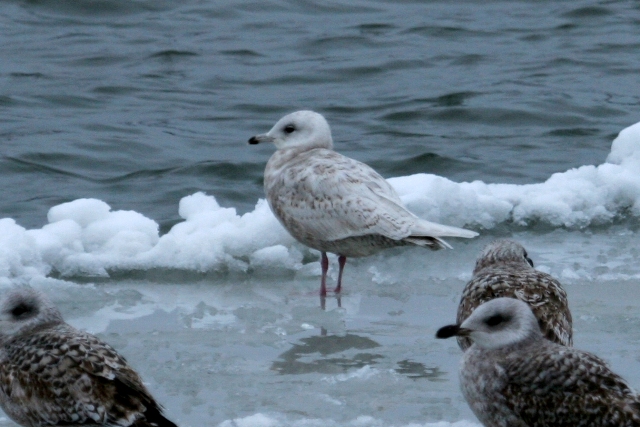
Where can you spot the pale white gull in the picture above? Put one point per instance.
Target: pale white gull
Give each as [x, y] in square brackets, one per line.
[335, 204]
[504, 269]
[513, 377]
[53, 374]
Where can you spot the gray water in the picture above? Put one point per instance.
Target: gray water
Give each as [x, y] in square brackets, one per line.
[141, 103]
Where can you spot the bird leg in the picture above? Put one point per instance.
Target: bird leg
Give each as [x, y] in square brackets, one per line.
[341, 262]
[324, 263]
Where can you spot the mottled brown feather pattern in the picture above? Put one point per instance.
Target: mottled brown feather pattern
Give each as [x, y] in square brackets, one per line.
[513, 377]
[502, 270]
[54, 374]
[576, 381]
[540, 384]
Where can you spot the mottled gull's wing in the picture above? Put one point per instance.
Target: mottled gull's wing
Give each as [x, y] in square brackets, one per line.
[336, 197]
[79, 379]
[543, 293]
[548, 300]
[561, 386]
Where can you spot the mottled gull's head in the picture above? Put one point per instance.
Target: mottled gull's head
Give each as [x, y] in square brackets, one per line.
[497, 323]
[303, 129]
[502, 251]
[24, 308]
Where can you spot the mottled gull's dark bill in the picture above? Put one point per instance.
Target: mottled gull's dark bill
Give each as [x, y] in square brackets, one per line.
[450, 331]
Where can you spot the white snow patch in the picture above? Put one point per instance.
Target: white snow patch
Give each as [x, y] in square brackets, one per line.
[576, 198]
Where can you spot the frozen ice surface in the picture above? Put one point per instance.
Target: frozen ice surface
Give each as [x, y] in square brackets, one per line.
[238, 349]
[243, 353]
[261, 420]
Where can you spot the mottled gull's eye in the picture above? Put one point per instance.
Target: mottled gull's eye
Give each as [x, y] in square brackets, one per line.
[526, 257]
[495, 320]
[21, 309]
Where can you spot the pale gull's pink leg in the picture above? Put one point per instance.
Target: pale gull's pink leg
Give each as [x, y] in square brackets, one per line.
[324, 262]
[341, 262]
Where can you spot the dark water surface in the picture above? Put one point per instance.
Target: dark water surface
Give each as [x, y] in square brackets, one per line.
[139, 103]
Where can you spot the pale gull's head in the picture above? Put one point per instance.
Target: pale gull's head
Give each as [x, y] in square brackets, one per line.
[497, 323]
[302, 129]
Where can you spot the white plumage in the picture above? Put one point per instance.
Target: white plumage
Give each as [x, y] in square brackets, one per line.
[332, 203]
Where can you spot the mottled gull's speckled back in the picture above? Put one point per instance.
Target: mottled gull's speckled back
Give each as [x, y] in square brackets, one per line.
[504, 269]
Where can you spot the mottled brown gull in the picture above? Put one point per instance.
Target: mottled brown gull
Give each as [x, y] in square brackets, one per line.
[513, 377]
[52, 374]
[504, 269]
[335, 204]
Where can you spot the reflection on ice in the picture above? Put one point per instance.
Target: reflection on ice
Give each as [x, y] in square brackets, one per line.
[416, 370]
[323, 301]
[310, 355]
[205, 316]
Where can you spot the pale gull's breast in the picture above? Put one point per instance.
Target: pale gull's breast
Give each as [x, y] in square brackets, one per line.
[325, 201]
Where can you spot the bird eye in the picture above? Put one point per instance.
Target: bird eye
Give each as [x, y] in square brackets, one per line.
[20, 309]
[495, 320]
[289, 128]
